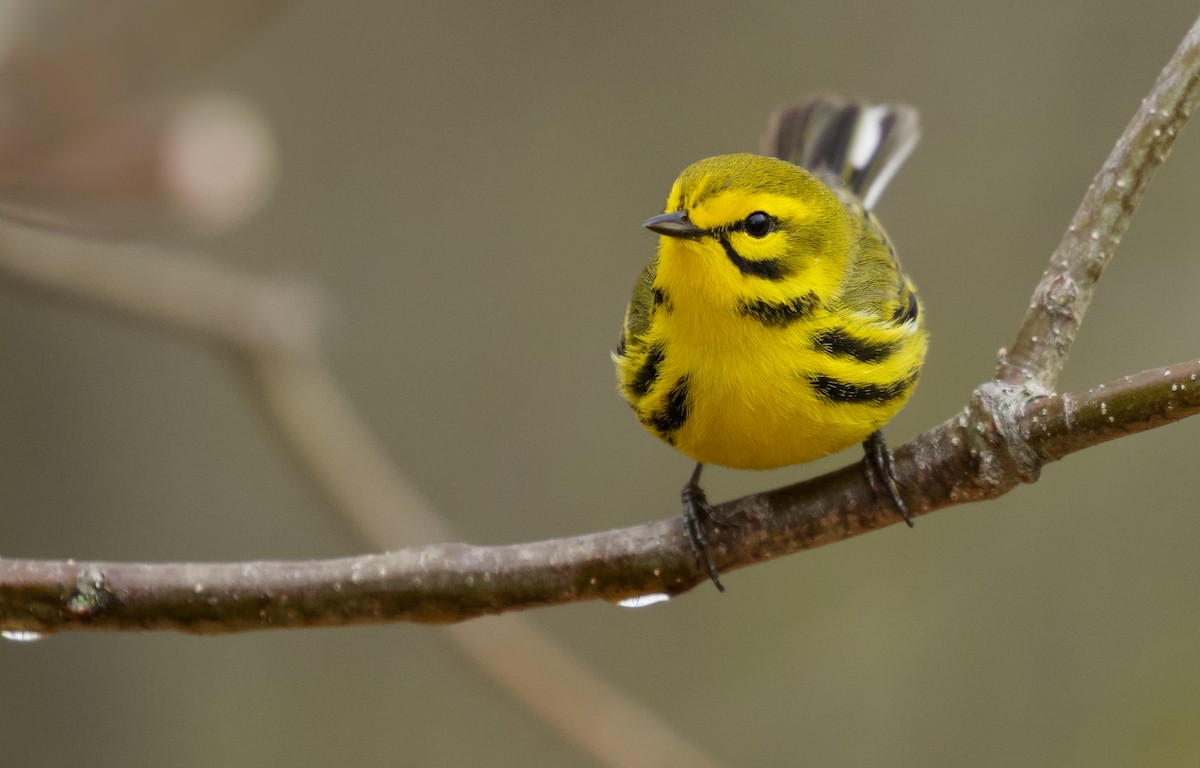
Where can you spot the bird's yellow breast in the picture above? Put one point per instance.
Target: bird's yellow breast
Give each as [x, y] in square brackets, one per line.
[751, 402]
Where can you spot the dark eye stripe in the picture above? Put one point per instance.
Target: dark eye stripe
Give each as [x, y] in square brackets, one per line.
[768, 269]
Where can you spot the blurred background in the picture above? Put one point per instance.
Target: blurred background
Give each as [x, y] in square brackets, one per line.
[466, 184]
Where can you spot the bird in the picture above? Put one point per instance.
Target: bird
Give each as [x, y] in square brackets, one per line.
[774, 324]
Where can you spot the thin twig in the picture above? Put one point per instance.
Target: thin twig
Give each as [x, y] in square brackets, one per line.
[1040, 351]
[172, 293]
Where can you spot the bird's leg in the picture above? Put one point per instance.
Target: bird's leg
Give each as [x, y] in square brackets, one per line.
[696, 514]
[881, 470]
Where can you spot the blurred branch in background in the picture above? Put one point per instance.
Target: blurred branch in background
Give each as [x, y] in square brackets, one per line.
[270, 331]
[99, 137]
[94, 136]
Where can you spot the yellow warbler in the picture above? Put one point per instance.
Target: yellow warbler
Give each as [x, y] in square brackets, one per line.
[775, 325]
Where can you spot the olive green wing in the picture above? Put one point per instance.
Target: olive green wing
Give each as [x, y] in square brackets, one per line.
[637, 314]
[876, 288]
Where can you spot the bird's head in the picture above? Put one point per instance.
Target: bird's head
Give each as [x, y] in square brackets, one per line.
[734, 220]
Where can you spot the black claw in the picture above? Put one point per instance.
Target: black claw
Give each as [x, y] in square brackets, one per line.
[881, 470]
[696, 513]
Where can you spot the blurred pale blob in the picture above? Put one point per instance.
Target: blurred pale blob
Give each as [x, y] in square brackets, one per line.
[218, 162]
[99, 133]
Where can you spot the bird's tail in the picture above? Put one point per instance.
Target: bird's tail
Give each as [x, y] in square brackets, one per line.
[856, 144]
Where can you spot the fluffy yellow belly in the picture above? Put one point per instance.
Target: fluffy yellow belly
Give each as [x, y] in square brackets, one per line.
[754, 396]
[754, 421]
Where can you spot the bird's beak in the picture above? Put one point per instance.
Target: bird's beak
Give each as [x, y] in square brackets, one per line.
[674, 224]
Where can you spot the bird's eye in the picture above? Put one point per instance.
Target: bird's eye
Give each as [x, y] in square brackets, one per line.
[757, 224]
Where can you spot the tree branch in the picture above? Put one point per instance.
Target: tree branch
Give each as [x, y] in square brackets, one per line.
[959, 461]
[1011, 427]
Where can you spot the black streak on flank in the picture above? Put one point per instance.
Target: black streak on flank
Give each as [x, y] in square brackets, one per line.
[648, 373]
[839, 343]
[907, 312]
[840, 391]
[675, 409]
[779, 314]
[663, 299]
[621, 345]
[768, 269]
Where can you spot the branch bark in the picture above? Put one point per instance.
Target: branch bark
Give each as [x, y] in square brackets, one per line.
[965, 459]
[1013, 425]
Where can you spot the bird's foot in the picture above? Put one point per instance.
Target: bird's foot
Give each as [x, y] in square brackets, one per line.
[881, 471]
[697, 514]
